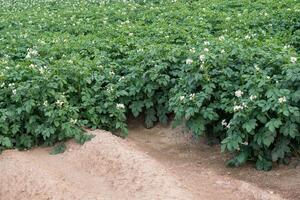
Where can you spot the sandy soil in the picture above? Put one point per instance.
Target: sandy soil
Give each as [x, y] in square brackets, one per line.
[202, 168]
[158, 163]
[105, 168]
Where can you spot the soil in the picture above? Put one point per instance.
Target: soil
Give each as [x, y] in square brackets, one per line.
[202, 168]
[157, 163]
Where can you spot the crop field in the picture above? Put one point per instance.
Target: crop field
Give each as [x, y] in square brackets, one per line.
[225, 70]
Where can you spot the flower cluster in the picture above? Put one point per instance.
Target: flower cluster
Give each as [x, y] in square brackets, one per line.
[59, 103]
[293, 59]
[225, 124]
[253, 97]
[238, 93]
[282, 99]
[120, 106]
[189, 61]
[31, 53]
[238, 108]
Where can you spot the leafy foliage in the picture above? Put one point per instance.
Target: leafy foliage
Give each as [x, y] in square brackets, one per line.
[60, 148]
[228, 70]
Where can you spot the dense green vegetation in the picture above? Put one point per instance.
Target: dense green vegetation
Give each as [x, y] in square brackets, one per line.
[228, 70]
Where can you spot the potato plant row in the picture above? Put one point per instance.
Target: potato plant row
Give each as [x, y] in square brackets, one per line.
[226, 70]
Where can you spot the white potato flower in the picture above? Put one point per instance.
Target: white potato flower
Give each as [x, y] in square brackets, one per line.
[181, 98]
[222, 38]
[238, 108]
[189, 61]
[193, 50]
[120, 106]
[192, 96]
[42, 70]
[224, 123]
[293, 59]
[31, 53]
[202, 58]
[59, 103]
[253, 97]
[228, 125]
[202, 66]
[73, 121]
[32, 66]
[238, 93]
[45, 103]
[282, 99]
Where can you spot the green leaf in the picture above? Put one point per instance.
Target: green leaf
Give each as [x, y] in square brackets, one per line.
[25, 141]
[136, 107]
[190, 112]
[5, 142]
[15, 128]
[162, 114]
[60, 148]
[280, 149]
[47, 132]
[250, 125]
[81, 138]
[263, 164]
[262, 118]
[150, 118]
[209, 114]
[296, 96]
[273, 124]
[265, 137]
[28, 105]
[231, 142]
[240, 159]
[196, 125]
[289, 129]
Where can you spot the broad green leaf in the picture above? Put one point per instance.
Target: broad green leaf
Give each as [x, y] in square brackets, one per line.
[136, 107]
[58, 149]
[290, 129]
[280, 149]
[273, 124]
[250, 125]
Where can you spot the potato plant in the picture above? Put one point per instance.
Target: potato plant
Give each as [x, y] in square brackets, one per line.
[227, 70]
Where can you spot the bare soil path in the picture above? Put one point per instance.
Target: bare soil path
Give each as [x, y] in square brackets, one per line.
[202, 168]
[105, 168]
[150, 164]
